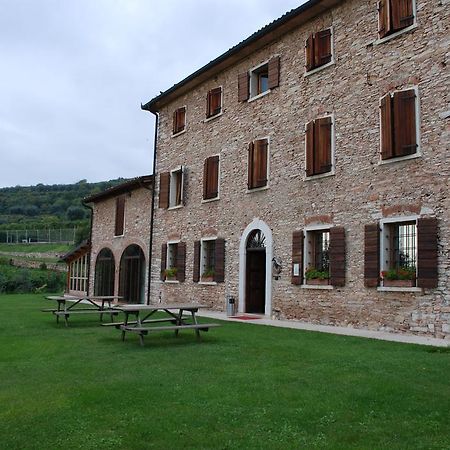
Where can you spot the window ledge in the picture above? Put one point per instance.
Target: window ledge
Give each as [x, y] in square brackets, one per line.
[209, 200]
[208, 119]
[394, 35]
[320, 175]
[171, 281]
[317, 286]
[399, 289]
[399, 158]
[318, 69]
[119, 236]
[250, 191]
[208, 283]
[251, 99]
[179, 133]
[171, 208]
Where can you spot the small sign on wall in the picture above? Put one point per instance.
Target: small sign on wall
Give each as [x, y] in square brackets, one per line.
[296, 271]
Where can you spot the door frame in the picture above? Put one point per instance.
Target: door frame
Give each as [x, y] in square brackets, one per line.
[256, 224]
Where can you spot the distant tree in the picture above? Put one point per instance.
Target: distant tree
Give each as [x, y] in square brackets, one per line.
[82, 233]
[31, 210]
[75, 213]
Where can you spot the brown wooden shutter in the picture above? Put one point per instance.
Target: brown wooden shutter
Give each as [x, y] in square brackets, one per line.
[405, 122]
[371, 255]
[208, 104]
[196, 269]
[213, 176]
[297, 256]
[181, 119]
[260, 163]
[427, 253]
[322, 47]
[163, 261]
[322, 157]
[164, 184]
[219, 258]
[205, 178]
[402, 14]
[387, 144]
[175, 122]
[274, 72]
[309, 137]
[251, 151]
[337, 256]
[243, 87]
[120, 216]
[384, 26]
[309, 53]
[214, 102]
[181, 261]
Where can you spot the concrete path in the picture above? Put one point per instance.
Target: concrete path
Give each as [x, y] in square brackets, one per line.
[381, 335]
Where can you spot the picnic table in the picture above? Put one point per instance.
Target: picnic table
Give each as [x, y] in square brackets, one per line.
[68, 305]
[144, 324]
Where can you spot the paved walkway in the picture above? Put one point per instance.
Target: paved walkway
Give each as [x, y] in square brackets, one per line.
[381, 335]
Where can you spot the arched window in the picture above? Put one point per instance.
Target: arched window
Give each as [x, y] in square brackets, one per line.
[104, 273]
[132, 275]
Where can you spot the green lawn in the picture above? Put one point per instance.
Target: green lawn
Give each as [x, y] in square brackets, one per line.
[35, 248]
[243, 387]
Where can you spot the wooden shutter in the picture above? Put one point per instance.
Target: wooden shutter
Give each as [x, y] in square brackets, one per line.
[205, 178]
[427, 253]
[322, 50]
[181, 261]
[243, 87]
[297, 257]
[196, 269]
[402, 14]
[219, 259]
[164, 185]
[322, 141]
[251, 151]
[211, 177]
[405, 122]
[163, 261]
[384, 26]
[175, 122]
[371, 255]
[274, 72]
[120, 216]
[260, 163]
[214, 102]
[337, 256]
[309, 137]
[387, 144]
[309, 53]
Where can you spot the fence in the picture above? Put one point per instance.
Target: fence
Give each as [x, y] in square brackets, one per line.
[49, 236]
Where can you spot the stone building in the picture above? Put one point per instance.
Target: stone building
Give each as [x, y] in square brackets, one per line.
[120, 240]
[305, 172]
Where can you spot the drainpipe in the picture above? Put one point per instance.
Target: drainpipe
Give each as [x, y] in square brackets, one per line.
[152, 217]
[90, 243]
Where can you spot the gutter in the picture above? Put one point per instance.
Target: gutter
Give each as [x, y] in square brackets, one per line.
[90, 240]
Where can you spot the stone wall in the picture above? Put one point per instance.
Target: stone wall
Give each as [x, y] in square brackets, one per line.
[360, 192]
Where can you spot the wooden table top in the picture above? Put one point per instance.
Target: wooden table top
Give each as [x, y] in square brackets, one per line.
[161, 306]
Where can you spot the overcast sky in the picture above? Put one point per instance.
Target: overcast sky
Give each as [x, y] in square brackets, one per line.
[73, 74]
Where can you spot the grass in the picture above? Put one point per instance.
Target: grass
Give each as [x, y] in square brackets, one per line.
[35, 248]
[243, 387]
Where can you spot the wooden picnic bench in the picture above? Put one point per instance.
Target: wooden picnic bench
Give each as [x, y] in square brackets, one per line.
[174, 316]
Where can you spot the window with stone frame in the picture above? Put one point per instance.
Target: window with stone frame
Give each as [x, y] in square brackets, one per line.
[398, 127]
[173, 261]
[179, 120]
[171, 188]
[319, 146]
[317, 257]
[258, 164]
[395, 15]
[208, 259]
[211, 178]
[214, 102]
[318, 49]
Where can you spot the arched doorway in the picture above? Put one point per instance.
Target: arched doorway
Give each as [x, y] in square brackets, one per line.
[132, 275]
[105, 267]
[255, 283]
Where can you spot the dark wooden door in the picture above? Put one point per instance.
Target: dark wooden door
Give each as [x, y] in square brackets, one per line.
[255, 299]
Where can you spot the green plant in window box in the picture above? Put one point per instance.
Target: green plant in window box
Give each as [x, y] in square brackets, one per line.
[317, 277]
[399, 277]
[208, 274]
[171, 273]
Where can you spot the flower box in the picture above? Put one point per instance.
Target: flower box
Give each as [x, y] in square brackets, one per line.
[207, 279]
[399, 283]
[318, 281]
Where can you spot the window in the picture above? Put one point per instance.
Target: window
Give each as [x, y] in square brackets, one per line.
[120, 216]
[318, 49]
[399, 114]
[214, 102]
[211, 178]
[179, 120]
[317, 258]
[319, 146]
[209, 260]
[173, 261]
[171, 189]
[259, 80]
[401, 252]
[395, 15]
[257, 164]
